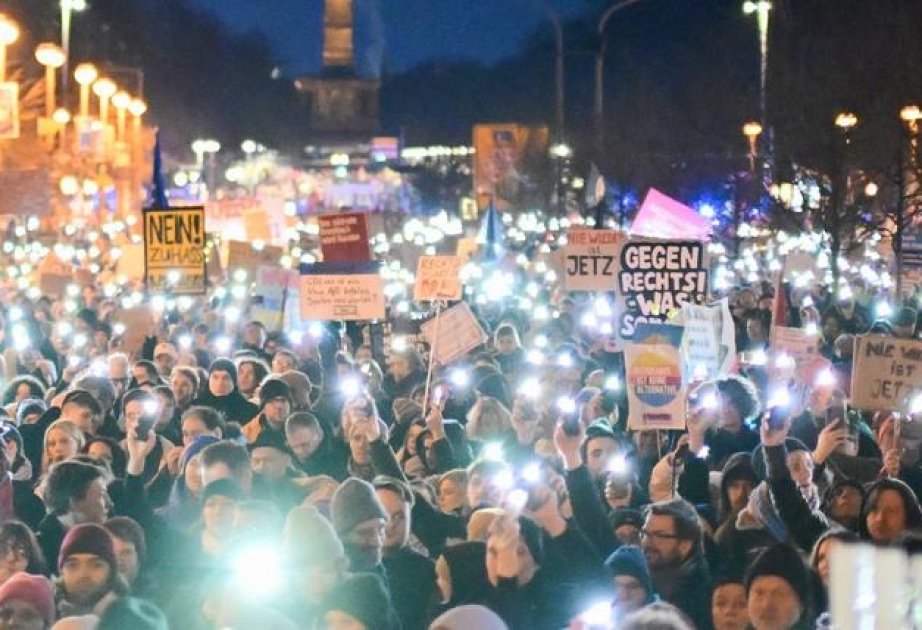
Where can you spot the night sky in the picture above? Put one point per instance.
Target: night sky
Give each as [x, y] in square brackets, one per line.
[407, 32]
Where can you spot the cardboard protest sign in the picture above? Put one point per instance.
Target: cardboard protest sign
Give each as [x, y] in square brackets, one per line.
[54, 275]
[131, 262]
[174, 250]
[456, 333]
[709, 344]
[661, 216]
[794, 342]
[344, 237]
[886, 373]
[276, 289]
[467, 247]
[137, 322]
[438, 278]
[656, 397]
[591, 259]
[345, 291]
[656, 278]
[243, 255]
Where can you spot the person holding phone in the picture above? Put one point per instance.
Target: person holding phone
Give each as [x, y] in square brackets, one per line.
[140, 410]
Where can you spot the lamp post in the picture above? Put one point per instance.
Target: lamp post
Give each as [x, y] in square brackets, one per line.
[909, 176]
[104, 89]
[85, 74]
[844, 122]
[598, 109]
[9, 33]
[52, 57]
[137, 108]
[121, 100]
[761, 9]
[752, 130]
[68, 7]
[560, 152]
[61, 117]
[201, 147]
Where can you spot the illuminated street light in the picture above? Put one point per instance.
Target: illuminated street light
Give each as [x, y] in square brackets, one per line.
[248, 147]
[68, 8]
[9, 33]
[85, 74]
[61, 117]
[761, 9]
[51, 56]
[911, 115]
[846, 121]
[561, 151]
[871, 189]
[752, 130]
[121, 100]
[104, 88]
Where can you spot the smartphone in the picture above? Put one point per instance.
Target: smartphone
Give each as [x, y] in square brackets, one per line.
[837, 411]
[145, 426]
[439, 395]
[570, 424]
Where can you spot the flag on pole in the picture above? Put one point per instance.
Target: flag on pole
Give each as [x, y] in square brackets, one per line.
[158, 198]
[491, 233]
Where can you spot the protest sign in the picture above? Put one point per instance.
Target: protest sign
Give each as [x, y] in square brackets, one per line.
[243, 255]
[456, 333]
[887, 373]
[656, 397]
[345, 291]
[344, 237]
[709, 344]
[276, 290]
[591, 259]
[256, 225]
[174, 250]
[54, 275]
[467, 247]
[131, 262]
[661, 216]
[438, 278]
[794, 342]
[137, 321]
[656, 278]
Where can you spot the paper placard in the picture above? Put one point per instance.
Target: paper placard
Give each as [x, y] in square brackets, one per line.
[256, 225]
[438, 278]
[271, 285]
[137, 322]
[174, 250]
[886, 374]
[794, 342]
[656, 278]
[660, 216]
[591, 259]
[709, 344]
[345, 296]
[242, 255]
[54, 275]
[344, 237]
[655, 392]
[131, 262]
[456, 333]
[467, 247]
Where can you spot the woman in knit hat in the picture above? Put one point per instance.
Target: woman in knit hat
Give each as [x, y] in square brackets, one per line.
[27, 603]
[631, 579]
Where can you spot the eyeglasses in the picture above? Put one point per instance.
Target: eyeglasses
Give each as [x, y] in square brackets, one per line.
[645, 533]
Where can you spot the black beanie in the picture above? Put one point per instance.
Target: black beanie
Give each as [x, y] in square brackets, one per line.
[363, 596]
[783, 561]
[274, 388]
[222, 487]
[270, 439]
[224, 365]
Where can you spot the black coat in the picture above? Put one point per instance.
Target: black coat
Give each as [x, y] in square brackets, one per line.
[235, 407]
[412, 585]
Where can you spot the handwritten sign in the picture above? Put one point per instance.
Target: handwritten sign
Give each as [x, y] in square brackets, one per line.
[344, 237]
[174, 250]
[243, 255]
[349, 292]
[656, 397]
[709, 344]
[656, 278]
[887, 373]
[467, 247]
[276, 289]
[794, 342]
[591, 260]
[456, 333]
[437, 278]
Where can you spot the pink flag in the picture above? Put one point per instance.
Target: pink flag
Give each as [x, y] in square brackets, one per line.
[663, 217]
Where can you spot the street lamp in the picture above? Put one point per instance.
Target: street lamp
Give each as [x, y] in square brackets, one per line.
[61, 117]
[137, 108]
[68, 7]
[752, 130]
[761, 10]
[598, 105]
[51, 56]
[911, 115]
[121, 100]
[200, 147]
[9, 33]
[908, 180]
[85, 74]
[104, 88]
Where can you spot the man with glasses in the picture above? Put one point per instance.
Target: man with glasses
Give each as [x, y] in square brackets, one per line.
[672, 543]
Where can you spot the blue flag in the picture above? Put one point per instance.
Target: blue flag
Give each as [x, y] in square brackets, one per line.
[158, 198]
[491, 234]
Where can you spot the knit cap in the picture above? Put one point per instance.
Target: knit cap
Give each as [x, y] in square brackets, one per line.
[783, 561]
[469, 616]
[308, 538]
[35, 590]
[88, 538]
[29, 406]
[363, 596]
[224, 365]
[629, 560]
[273, 388]
[354, 502]
[406, 411]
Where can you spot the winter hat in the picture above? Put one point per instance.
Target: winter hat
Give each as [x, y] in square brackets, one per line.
[274, 388]
[9, 432]
[758, 455]
[224, 488]
[783, 561]
[270, 439]
[625, 516]
[382, 482]
[224, 365]
[354, 502]
[629, 560]
[363, 596]
[301, 387]
[534, 538]
[308, 538]
[737, 467]
[29, 406]
[468, 616]
[197, 446]
[88, 538]
[134, 613]
[84, 399]
[35, 590]
[407, 411]
[600, 429]
[907, 316]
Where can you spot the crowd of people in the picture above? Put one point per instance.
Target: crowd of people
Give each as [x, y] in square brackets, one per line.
[222, 475]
